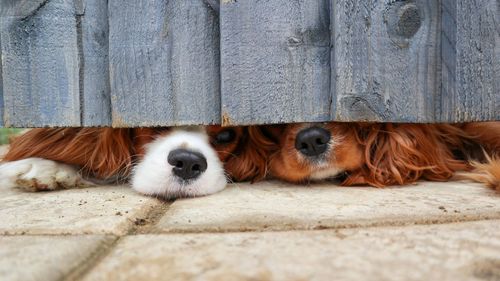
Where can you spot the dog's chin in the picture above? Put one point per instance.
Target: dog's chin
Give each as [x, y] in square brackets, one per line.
[325, 173]
[323, 167]
[154, 176]
[171, 187]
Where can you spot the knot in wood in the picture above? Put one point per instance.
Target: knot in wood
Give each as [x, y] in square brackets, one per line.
[294, 40]
[409, 20]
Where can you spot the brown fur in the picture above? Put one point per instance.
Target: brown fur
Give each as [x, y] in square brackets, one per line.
[404, 153]
[250, 162]
[486, 133]
[371, 154]
[286, 163]
[486, 173]
[385, 154]
[104, 152]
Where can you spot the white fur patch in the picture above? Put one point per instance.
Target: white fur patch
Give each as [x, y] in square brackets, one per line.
[153, 174]
[322, 174]
[37, 174]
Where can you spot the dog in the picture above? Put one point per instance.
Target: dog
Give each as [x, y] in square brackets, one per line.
[381, 154]
[162, 162]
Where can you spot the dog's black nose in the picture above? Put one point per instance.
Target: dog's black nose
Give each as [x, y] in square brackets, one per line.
[312, 141]
[187, 164]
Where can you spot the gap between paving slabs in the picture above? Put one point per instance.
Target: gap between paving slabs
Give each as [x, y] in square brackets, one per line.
[186, 230]
[274, 206]
[64, 234]
[459, 251]
[111, 210]
[267, 206]
[47, 257]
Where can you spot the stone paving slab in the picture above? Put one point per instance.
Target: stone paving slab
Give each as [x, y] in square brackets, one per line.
[100, 210]
[278, 206]
[27, 258]
[459, 251]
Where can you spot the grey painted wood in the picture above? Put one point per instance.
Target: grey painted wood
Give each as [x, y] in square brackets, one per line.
[93, 31]
[471, 60]
[214, 4]
[20, 8]
[40, 63]
[275, 61]
[164, 62]
[1, 84]
[156, 62]
[384, 60]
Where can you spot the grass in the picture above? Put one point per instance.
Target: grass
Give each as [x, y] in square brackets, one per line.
[6, 133]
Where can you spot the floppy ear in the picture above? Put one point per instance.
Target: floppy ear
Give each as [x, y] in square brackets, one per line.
[100, 152]
[250, 162]
[487, 134]
[403, 153]
[143, 136]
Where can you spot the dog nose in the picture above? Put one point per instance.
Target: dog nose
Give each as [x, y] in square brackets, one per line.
[312, 141]
[187, 164]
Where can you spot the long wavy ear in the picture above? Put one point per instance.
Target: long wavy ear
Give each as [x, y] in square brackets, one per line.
[100, 152]
[251, 159]
[404, 153]
[487, 134]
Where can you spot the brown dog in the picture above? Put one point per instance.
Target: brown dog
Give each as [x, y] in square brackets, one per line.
[379, 154]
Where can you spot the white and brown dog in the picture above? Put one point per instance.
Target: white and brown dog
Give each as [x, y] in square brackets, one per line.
[162, 162]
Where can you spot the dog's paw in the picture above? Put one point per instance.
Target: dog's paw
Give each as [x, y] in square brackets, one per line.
[37, 174]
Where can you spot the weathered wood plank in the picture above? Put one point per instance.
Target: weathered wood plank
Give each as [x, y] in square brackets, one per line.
[40, 63]
[93, 31]
[214, 4]
[471, 60]
[275, 61]
[164, 62]
[384, 60]
[1, 83]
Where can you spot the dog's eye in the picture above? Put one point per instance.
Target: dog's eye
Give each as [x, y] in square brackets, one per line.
[225, 137]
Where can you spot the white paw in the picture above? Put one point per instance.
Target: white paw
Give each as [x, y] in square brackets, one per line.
[37, 174]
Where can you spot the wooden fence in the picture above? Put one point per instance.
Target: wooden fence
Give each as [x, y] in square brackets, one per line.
[171, 62]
